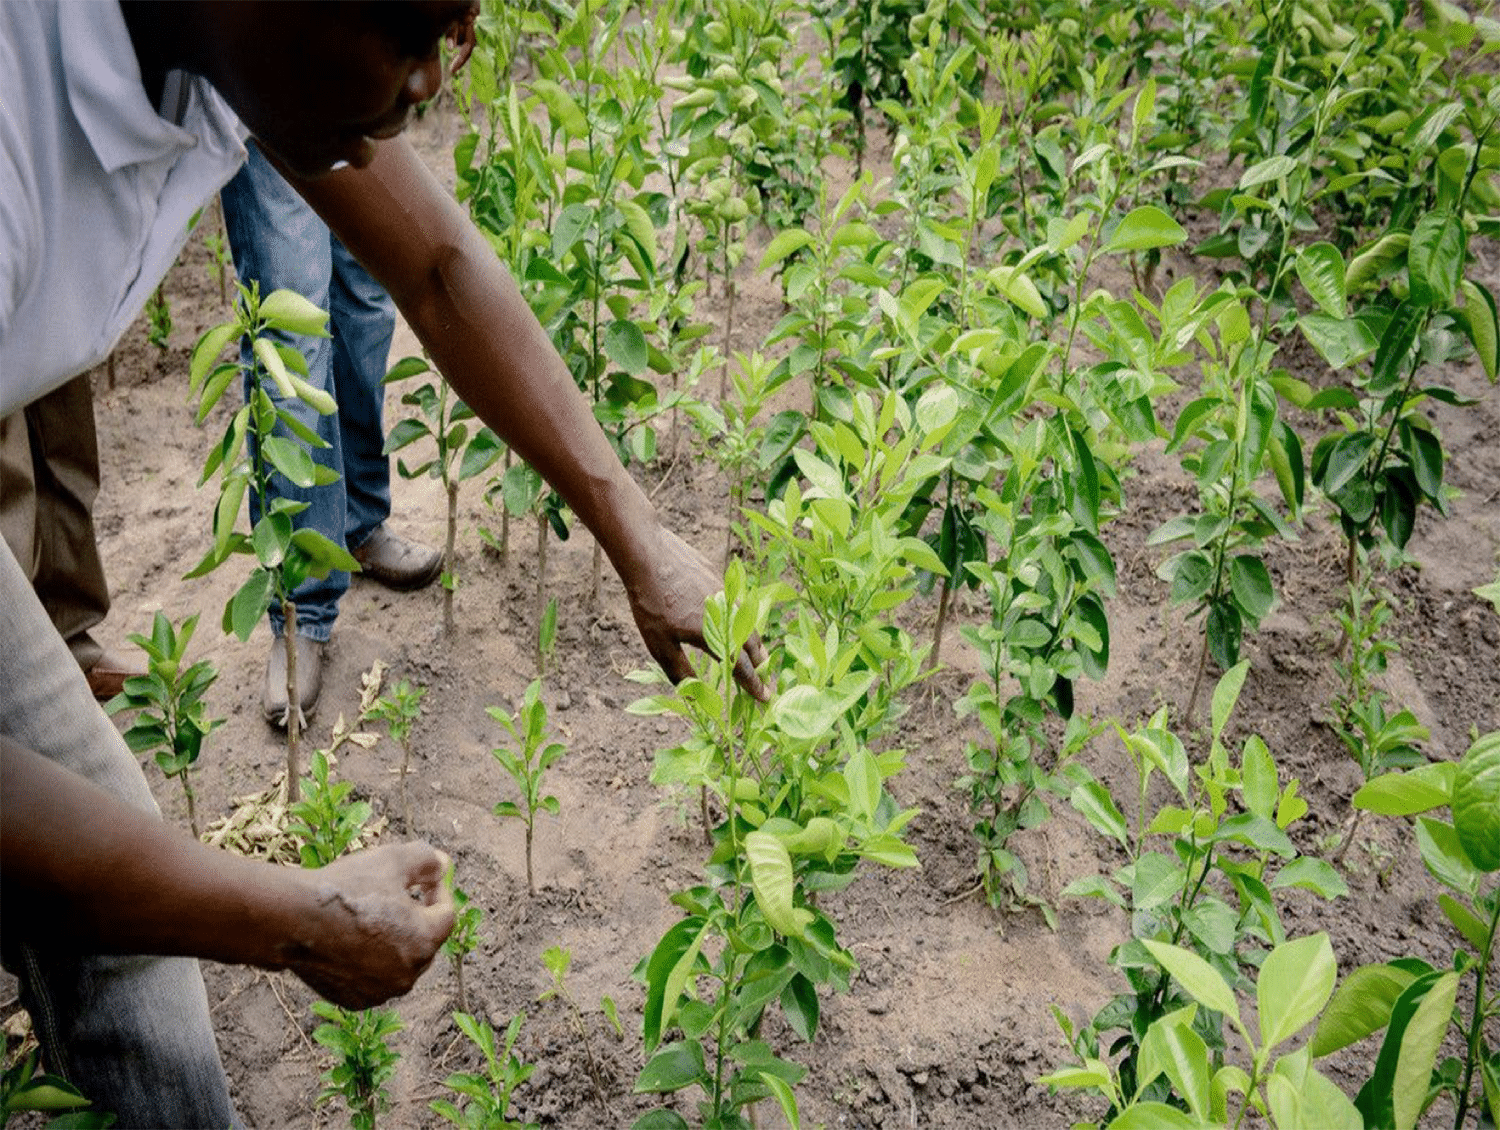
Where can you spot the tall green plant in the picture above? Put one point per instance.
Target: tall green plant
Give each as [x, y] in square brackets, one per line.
[172, 718]
[266, 436]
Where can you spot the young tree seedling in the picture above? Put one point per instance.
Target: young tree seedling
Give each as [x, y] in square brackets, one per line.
[489, 1094]
[327, 821]
[399, 710]
[263, 438]
[465, 936]
[173, 719]
[457, 457]
[366, 1061]
[557, 960]
[526, 765]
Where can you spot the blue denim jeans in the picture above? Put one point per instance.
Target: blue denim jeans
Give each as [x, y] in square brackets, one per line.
[279, 241]
[132, 1033]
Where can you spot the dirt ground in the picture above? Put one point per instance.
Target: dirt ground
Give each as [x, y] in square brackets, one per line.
[947, 1023]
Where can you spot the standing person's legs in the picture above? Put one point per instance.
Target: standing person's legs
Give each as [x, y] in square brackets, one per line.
[279, 242]
[49, 478]
[132, 1033]
[364, 320]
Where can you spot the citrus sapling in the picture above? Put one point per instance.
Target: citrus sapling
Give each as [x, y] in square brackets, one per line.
[326, 820]
[443, 419]
[265, 438]
[172, 718]
[557, 960]
[465, 936]
[488, 1094]
[399, 709]
[366, 1062]
[535, 752]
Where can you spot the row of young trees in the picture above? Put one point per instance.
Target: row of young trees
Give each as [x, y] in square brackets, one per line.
[952, 401]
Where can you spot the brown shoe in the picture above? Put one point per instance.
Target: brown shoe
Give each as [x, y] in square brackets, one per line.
[107, 676]
[397, 563]
[309, 681]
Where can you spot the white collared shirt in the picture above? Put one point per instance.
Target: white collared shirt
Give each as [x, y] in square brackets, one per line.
[96, 187]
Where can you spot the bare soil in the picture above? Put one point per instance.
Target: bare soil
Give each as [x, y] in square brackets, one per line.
[947, 1023]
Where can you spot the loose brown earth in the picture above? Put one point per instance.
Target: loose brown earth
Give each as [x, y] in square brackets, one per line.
[947, 1023]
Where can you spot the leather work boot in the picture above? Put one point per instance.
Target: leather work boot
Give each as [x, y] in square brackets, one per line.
[309, 680]
[107, 676]
[397, 563]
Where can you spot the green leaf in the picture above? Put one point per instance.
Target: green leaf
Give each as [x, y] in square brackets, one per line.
[1339, 341]
[1419, 1050]
[1320, 268]
[290, 458]
[1476, 802]
[1020, 290]
[1445, 856]
[1250, 582]
[275, 367]
[1361, 1006]
[677, 1065]
[1346, 460]
[1300, 1096]
[1155, 1116]
[1226, 694]
[1173, 1048]
[1296, 980]
[1144, 228]
[782, 1091]
[1481, 320]
[862, 775]
[1435, 259]
[661, 1119]
[799, 1003]
[771, 879]
[1469, 925]
[249, 604]
[569, 228]
[1198, 978]
[1311, 874]
[811, 714]
[684, 938]
[207, 351]
[287, 310]
[1099, 809]
[1263, 172]
[1406, 794]
[786, 243]
[625, 345]
[406, 367]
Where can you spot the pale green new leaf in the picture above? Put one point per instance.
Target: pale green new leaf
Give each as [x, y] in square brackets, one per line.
[1296, 980]
[1201, 980]
[1144, 228]
[1419, 1050]
[771, 879]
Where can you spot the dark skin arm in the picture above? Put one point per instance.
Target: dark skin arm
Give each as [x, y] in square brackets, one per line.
[359, 931]
[464, 307]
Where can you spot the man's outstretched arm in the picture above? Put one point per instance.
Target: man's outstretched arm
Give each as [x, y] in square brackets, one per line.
[466, 310]
[118, 880]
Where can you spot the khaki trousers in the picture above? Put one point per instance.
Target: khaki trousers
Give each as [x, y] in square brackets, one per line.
[49, 477]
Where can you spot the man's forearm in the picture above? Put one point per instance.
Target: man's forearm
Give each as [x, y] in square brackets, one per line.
[85, 870]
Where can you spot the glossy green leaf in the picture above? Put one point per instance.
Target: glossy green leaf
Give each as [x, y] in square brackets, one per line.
[1171, 1047]
[1155, 1116]
[1469, 925]
[677, 1065]
[1483, 324]
[1320, 268]
[1295, 982]
[1144, 228]
[287, 310]
[1476, 802]
[625, 345]
[1408, 793]
[1092, 799]
[1435, 259]
[782, 1092]
[1339, 341]
[1445, 856]
[1420, 1044]
[1311, 874]
[1301, 1097]
[1197, 977]
[1361, 1006]
[1250, 582]
[771, 879]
